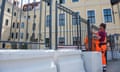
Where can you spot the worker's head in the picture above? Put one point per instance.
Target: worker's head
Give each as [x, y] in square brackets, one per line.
[102, 26]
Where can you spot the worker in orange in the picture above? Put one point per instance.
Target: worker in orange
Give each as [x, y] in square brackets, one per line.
[101, 45]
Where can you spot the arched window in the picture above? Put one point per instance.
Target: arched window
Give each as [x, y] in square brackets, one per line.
[6, 22]
[13, 25]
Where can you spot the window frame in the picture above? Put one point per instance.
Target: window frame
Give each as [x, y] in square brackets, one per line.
[8, 10]
[34, 27]
[16, 35]
[47, 42]
[13, 25]
[61, 19]
[21, 35]
[74, 18]
[15, 13]
[22, 25]
[12, 35]
[104, 15]
[18, 25]
[62, 42]
[47, 21]
[75, 1]
[92, 16]
[6, 22]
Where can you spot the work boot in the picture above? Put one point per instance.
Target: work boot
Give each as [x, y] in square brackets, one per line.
[104, 69]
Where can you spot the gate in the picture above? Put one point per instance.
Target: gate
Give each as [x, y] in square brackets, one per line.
[70, 28]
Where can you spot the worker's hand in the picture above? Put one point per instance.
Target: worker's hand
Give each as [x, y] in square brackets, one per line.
[94, 32]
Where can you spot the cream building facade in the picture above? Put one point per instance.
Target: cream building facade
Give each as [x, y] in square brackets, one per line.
[28, 25]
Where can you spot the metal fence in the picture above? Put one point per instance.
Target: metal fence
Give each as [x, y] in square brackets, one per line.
[44, 24]
[114, 47]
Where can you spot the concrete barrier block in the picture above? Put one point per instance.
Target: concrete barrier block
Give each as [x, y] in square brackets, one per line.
[109, 55]
[69, 61]
[92, 61]
[27, 61]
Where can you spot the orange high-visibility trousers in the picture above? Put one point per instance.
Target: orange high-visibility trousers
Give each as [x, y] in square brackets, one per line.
[104, 48]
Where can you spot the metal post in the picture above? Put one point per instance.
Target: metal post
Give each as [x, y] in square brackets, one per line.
[56, 27]
[19, 33]
[89, 36]
[80, 32]
[70, 29]
[66, 29]
[50, 28]
[27, 22]
[1, 16]
[77, 21]
[40, 22]
[45, 25]
[11, 20]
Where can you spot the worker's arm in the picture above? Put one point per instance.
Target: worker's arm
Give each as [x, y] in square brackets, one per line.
[95, 35]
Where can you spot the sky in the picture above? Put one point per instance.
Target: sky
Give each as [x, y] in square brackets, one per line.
[26, 1]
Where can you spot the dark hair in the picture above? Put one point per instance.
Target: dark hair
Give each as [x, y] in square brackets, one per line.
[103, 25]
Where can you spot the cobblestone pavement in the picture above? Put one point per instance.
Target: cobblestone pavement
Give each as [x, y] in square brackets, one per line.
[113, 66]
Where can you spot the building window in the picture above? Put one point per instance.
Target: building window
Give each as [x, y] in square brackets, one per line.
[3, 45]
[48, 3]
[62, 19]
[14, 13]
[34, 26]
[6, 22]
[21, 35]
[22, 25]
[12, 35]
[75, 19]
[75, 0]
[34, 16]
[61, 41]
[13, 25]
[62, 1]
[28, 17]
[48, 21]
[107, 15]
[47, 42]
[76, 41]
[8, 10]
[17, 25]
[16, 35]
[91, 16]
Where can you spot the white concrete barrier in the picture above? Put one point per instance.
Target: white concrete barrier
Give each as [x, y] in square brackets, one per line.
[92, 61]
[41, 61]
[69, 61]
[109, 55]
[116, 54]
[27, 61]
[113, 54]
[49, 61]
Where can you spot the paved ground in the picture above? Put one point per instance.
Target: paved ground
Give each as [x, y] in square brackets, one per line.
[113, 66]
